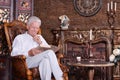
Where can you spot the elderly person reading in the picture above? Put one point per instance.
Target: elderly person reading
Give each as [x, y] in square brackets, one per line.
[28, 44]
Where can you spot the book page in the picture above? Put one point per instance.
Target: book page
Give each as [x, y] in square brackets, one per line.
[47, 47]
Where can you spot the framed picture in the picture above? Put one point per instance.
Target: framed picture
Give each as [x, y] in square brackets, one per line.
[5, 2]
[24, 4]
[24, 9]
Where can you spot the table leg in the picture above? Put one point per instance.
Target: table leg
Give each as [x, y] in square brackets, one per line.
[91, 74]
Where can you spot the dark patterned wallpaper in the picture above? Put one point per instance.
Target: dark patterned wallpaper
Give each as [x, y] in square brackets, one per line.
[50, 10]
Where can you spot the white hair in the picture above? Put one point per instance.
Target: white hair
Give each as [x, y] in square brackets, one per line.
[34, 19]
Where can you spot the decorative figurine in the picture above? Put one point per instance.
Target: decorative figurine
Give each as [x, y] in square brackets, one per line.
[64, 22]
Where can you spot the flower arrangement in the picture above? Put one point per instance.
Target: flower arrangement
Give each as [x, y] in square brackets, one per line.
[115, 57]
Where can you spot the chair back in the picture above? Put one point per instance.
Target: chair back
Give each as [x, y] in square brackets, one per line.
[12, 29]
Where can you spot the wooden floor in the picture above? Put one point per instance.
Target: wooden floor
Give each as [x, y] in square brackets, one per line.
[72, 77]
[78, 77]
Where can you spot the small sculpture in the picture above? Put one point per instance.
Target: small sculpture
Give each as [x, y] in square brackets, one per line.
[64, 22]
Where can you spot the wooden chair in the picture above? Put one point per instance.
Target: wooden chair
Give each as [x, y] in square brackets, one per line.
[20, 71]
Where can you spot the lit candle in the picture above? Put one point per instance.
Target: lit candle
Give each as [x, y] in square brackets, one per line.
[108, 7]
[111, 5]
[80, 36]
[90, 34]
[115, 6]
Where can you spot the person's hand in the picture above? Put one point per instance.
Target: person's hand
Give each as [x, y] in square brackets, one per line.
[37, 39]
[34, 51]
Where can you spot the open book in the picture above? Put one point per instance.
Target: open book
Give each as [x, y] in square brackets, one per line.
[47, 47]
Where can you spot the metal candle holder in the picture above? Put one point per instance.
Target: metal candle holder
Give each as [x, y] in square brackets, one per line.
[111, 13]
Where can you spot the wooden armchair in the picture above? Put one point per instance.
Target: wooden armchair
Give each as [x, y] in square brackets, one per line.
[20, 71]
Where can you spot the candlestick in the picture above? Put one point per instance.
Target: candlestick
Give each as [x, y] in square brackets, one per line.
[111, 5]
[111, 11]
[80, 36]
[115, 6]
[108, 7]
[90, 34]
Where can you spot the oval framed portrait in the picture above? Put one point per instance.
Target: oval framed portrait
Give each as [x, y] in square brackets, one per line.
[87, 7]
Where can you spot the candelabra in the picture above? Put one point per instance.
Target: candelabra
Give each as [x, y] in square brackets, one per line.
[111, 12]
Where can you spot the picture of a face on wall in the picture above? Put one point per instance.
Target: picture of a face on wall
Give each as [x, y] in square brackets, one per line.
[5, 2]
[25, 4]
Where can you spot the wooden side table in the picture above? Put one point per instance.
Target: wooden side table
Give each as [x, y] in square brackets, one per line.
[117, 72]
[91, 66]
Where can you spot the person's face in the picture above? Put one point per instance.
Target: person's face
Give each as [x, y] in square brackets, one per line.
[33, 28]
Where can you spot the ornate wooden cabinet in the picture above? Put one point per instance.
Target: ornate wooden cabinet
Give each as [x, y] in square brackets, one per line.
[77, 42]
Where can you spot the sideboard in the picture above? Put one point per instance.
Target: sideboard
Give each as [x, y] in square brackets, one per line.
[97, 45]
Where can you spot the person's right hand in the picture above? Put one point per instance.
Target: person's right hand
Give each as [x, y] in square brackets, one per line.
[37, 39]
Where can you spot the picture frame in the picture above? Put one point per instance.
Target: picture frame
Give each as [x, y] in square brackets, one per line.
[24, 9]
[5, 2]
[24, 4]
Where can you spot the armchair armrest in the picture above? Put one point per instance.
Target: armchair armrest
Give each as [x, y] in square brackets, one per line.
[19, 68]
[62, 66]
[19, 57]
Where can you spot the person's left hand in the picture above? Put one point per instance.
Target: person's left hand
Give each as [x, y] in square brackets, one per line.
[34, 51]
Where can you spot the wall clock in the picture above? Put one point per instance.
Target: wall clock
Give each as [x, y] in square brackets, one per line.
[87, 7]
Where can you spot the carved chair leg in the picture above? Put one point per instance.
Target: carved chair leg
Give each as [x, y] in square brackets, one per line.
[63, 67]
[29, 75]
[65, 75]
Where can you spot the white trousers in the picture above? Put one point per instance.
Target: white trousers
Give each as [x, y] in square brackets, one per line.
[47, 62]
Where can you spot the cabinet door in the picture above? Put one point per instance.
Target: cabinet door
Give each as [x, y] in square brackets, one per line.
[24, 9]
[6, 10]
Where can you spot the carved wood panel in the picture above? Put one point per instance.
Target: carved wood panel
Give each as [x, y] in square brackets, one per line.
[75, 43]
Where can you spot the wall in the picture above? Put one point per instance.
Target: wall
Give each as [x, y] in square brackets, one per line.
[50, 10]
